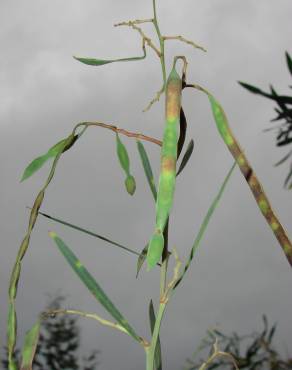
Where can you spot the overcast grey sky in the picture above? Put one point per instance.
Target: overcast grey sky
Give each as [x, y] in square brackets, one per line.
[239, 272]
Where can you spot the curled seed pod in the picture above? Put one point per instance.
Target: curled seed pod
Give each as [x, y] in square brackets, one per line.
[167, 175]
[130, 184]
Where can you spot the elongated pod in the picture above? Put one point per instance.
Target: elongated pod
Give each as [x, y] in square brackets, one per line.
[125, 164]
[167, 175]
[250, 176]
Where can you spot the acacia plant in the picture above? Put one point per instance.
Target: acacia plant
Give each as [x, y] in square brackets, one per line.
[156, 252]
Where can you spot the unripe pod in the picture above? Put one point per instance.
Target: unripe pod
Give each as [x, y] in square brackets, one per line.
[167, 175]
[123, 155]
[124, 160]
[130, 184]
[155, 249]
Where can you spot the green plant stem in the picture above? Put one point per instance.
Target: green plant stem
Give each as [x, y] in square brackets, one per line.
[164, 265]
[151, 351]
[161, 42]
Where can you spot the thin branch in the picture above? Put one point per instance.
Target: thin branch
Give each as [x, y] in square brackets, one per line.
[120, 131]
[155, 99]
[186, 41]
[218, 353]
[52, 313]
[146, 38]
[175, 278]
[136, 21]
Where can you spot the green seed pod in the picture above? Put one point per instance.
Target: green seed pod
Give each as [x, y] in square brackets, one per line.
[166, 185]
[250, 176]
[155, 249]
[123, 155]
[130, 184]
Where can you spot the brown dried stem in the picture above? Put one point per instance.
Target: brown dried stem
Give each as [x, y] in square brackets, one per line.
[119, 130]
[186, 41]
[147, 39]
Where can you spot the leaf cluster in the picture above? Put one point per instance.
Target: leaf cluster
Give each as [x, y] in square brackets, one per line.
[254, 351]
[283, 118]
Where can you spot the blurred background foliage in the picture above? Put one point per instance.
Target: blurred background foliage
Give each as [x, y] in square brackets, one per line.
[254, 351]
[283, 119]
[59, 344]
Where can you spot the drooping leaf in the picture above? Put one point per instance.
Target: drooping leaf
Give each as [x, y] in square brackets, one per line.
[34, 166]
[92, 285]
[38, 162]
[186, 156]
[289, 176]
[91, 233]
[147, 168]
[182, 132]
[289, 62]
[124, 160]
[283, 159]
[141, 259]
[205, 223]
[271, 333]
[284, 99]
[100, 62]
[29, 347]
[252, 88]
[122, 155]
[157, 355]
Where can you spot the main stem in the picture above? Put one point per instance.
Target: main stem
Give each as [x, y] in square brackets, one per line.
[150, 351]
[161, 42]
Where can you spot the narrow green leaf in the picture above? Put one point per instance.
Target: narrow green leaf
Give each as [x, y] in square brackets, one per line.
[289, 62]
[29, 347]
[283, 159]
[186, 156]
[205, 223]
[280, 99]
[92, 285]
[141, 259]
[88, 232]
[147, 168]
[100, 62]
[289, 176]
[34, 166]
[55, 149]
[122, 155]
[252, 88]
[157, 355]
[38, 162]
